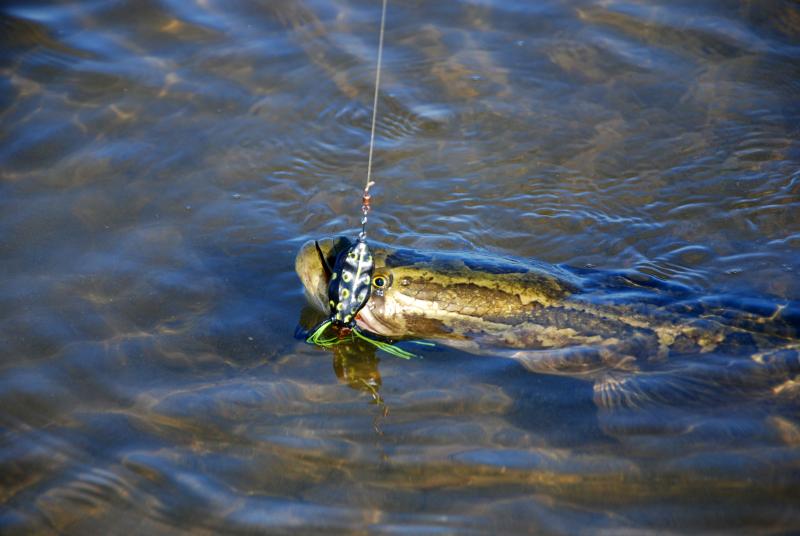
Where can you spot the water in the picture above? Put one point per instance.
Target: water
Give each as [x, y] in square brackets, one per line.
[162, 161]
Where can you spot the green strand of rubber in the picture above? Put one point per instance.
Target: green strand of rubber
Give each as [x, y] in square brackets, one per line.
[385, 346]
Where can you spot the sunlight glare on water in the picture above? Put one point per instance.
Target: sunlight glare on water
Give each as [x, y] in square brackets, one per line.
[162, 161]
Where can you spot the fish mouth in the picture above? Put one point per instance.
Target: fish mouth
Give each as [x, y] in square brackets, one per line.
[367, 321]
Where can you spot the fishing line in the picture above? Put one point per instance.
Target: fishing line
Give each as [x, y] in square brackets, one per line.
[365, 198]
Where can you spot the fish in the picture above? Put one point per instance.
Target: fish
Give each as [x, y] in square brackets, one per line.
[556, 319]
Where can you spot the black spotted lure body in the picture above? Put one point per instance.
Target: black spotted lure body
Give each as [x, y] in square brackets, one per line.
[349, 288]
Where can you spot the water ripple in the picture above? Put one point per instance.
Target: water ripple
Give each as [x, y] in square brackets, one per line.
[163, 161]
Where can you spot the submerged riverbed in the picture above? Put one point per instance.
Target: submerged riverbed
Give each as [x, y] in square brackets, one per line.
[162, 161]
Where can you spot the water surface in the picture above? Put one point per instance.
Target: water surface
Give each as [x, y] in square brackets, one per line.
[161, 162]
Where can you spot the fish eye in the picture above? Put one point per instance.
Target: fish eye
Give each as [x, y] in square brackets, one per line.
[379, 281]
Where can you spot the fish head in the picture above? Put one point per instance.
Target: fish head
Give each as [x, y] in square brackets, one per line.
[319, 264]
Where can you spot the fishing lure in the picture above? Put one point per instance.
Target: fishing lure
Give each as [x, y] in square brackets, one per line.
[348, 292]
[349, 288]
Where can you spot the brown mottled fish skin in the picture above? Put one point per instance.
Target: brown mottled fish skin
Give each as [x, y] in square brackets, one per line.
[483, 303]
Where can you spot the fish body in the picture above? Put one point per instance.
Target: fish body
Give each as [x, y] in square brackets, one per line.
[551, 318]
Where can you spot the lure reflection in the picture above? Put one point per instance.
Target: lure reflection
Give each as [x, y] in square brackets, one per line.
[354, 362]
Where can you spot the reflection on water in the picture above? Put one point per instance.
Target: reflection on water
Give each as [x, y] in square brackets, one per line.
[162, 161]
